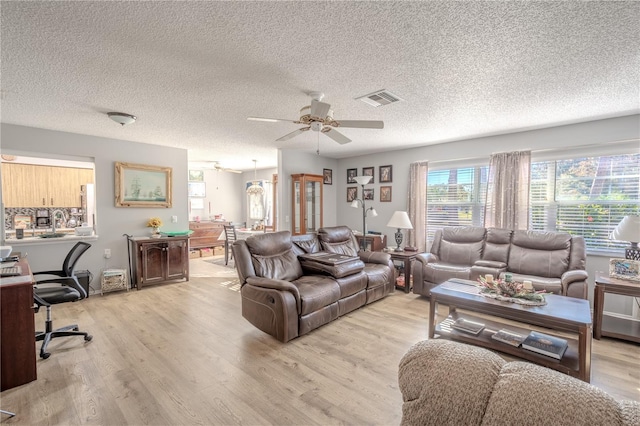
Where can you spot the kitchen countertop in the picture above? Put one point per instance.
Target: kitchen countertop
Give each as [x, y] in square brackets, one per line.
[30, 240]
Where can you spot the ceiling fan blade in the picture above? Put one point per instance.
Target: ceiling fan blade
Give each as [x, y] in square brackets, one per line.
[319, 109]
[269, 120]
[361, 124]
[292, 134]
[337, 136]
[231, 170]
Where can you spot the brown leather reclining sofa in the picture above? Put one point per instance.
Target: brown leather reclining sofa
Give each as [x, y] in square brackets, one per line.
[552, 261]
[287, 296]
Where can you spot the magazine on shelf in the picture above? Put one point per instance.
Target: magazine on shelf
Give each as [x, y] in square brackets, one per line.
[467, 326]
[509, 337]
[546, 345]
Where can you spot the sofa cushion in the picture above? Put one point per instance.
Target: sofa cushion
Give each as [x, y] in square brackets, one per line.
[580, 404]
[338, 239]
[461, 245]
[497, 245]
[273, 257]
[307, 243]
[377, 274]
[316, 291]
[545, 254]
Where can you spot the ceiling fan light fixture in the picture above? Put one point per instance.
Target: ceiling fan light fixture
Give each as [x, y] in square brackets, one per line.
[122, 118]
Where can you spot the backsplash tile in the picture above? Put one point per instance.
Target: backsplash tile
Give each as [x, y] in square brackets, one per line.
[9, 214]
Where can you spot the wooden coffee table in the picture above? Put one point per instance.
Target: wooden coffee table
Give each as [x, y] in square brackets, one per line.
[561, 313]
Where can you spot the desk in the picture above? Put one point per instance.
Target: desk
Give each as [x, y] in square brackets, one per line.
[407, 257]
[17, 329]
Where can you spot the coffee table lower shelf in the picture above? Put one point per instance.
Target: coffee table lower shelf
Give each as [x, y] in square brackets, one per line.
[569, 364]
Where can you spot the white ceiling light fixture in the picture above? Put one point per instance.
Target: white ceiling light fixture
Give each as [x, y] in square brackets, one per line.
[255, 188]
[122, 118]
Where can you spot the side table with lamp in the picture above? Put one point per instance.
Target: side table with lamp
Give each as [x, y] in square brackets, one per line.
[400, 220]
[604, 325]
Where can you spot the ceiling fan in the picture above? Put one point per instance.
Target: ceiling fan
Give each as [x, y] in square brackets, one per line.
[214, 165]
[319, 117]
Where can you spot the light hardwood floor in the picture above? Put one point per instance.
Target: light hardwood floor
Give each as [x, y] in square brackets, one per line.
[181, 353]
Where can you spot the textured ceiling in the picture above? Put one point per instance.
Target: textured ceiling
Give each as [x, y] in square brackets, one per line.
[194, 71]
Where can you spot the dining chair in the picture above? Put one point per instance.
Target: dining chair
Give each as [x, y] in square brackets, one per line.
[230, 237]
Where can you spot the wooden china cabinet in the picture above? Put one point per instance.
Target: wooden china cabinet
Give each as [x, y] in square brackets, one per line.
[307, 203]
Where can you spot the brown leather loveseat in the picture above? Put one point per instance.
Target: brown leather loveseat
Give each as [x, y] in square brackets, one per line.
[552, 261]
[287, 296]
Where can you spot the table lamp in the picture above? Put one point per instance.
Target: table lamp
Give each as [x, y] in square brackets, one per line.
[629, 230]
[399, 220]
[362, 181]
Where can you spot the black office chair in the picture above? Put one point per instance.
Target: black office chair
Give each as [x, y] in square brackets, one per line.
[230, 237]
[67, 290]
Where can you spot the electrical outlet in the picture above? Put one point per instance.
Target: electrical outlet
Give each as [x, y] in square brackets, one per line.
[107, 253]
[174, 219]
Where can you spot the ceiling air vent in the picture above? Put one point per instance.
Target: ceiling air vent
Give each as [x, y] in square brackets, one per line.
[379, 98]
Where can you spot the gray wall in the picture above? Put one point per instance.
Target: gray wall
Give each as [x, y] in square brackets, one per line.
[112, 222]
[602, 136]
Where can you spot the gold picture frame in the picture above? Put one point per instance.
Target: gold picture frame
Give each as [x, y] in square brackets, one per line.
[141, 185]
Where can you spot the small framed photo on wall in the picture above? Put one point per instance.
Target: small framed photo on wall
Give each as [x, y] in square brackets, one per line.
[351, 174]
[352, 193]
[368, 171]
[368, 194]
[386, 174]
[327, 176]
[385, 194]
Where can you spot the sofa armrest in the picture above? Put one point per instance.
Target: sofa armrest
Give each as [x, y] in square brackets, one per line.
[374, 257]
[573, 276]
[425, 258]
[277, 285]
[574, 283]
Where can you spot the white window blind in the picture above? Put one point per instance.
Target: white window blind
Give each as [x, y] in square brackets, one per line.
[585, 196]
[455, 197]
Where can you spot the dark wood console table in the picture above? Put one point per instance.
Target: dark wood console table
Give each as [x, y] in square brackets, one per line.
[17, 329]
[157, 260]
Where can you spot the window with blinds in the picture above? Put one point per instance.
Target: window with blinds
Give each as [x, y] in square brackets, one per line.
[455, 197]
[586, 196]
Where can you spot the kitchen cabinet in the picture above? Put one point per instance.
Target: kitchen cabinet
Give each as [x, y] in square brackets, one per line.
[206, 234]
[307, 203]
[28, 185]
[157, 260]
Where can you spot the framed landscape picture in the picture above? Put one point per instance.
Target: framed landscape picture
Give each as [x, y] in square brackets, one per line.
[196, 175]
[351, 173]
[385, 194]
[352, 193]
[386, 174]
[368, 171]
[141, 185]
[197, 189]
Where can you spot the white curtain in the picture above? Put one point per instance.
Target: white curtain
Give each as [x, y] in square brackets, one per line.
[508, 190]
[417, 205]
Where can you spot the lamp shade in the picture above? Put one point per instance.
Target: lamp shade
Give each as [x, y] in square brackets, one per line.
[362, 180]
[400, 220]
[627, 230]
[373, 212]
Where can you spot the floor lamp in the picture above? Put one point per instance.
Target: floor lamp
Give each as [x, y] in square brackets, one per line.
[362, 181]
